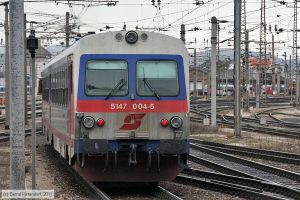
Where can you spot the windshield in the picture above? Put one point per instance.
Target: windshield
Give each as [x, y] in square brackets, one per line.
[102, 76]
[157, 78]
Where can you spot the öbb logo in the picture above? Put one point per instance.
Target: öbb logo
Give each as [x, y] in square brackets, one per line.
[132, 121]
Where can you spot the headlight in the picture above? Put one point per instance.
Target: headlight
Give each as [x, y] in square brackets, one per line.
[131, 37]
[176, 122]
[88, 122]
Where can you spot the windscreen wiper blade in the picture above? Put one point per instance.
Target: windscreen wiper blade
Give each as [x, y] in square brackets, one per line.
[118, 86]
[151, 88]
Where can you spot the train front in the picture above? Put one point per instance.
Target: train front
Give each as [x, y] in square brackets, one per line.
[132, 107]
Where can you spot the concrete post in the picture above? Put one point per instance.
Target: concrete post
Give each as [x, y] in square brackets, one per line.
[285, 75]
[208, 83]
[218, 59]
[226, 80]
[214, 26]
[237, 66]
[67, 29]
[273, 79]
[278, 81]
[7, 70]
[257, 86]
[290, 69]
[17, 126]
[203, 82]
[273, 62]
[25, 73]
[247, 105]
[297, 84]
[290, 76]
[195, 75]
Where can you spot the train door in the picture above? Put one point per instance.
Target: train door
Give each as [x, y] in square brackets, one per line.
[70, 102]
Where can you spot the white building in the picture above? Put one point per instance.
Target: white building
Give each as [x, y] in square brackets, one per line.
[2, 63]
[42, 57]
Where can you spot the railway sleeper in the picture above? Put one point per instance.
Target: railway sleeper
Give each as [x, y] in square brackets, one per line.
[256, 165]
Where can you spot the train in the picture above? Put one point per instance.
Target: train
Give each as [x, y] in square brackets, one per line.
[116, 106]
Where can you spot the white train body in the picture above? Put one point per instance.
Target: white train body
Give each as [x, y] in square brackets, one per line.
[110, 101]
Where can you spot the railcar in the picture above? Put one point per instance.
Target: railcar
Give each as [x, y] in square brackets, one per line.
[116, 106]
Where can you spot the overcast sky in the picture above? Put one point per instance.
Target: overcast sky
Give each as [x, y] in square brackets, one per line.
[168, 17]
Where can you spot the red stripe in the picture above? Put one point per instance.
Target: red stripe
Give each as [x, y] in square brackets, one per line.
[132, 106]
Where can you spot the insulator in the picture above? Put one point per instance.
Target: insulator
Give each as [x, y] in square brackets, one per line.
[282, 2]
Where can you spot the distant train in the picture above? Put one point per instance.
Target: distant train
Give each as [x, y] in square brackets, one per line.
[116, 106]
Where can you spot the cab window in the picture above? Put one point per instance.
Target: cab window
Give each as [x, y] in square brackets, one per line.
[157, 78]
[106, 77]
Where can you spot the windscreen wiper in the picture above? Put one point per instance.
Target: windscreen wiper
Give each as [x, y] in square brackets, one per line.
[118, 86]
[150, 87]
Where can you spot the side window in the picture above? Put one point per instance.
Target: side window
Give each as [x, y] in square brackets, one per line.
[55, 90]
[65, 87]
[52, 88]
[56, 86]
[59, 90]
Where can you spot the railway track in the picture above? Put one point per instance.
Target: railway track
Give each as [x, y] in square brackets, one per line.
[243, 187]
[219, 186]
[162, 193]
[38, 114]
[219, 167]
[98, 193]
[136, 191]
[277, 156]
[250, 168]
[248, 124]
[88, 186]
[95, 191]
[252, 101]
[285, 123]
[275, 121]
[4, 136]
[294, 134]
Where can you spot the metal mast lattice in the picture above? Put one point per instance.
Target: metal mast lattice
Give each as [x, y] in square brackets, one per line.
[262, 48]
[244, 49]
[295, 52]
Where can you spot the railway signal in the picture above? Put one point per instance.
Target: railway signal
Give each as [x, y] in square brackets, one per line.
[182, 33]
[32, 45]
